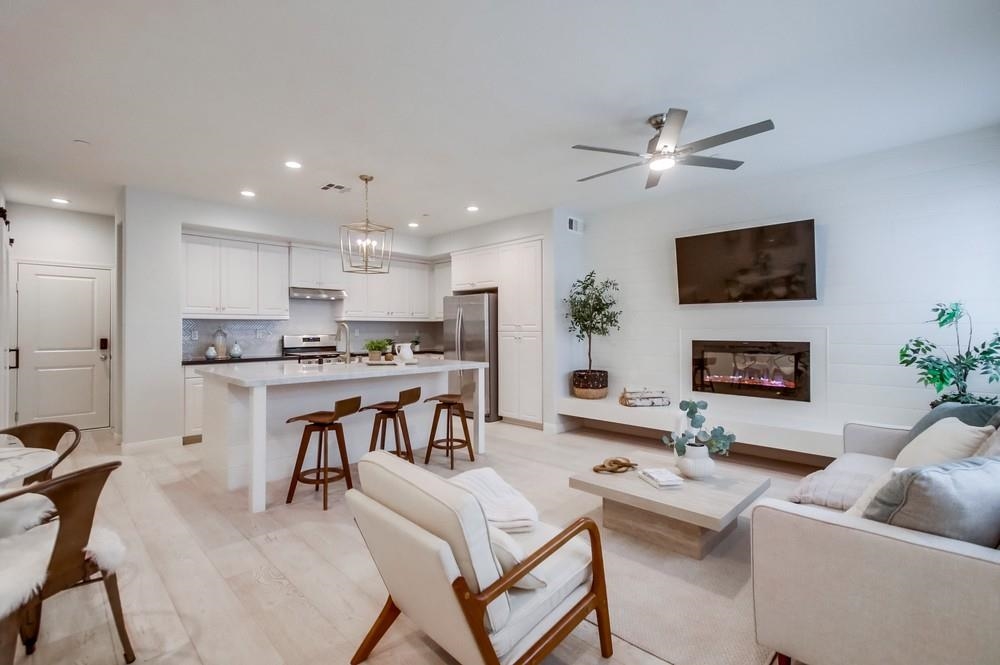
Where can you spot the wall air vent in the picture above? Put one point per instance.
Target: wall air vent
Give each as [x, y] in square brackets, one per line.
[574, 224]
[332, 186]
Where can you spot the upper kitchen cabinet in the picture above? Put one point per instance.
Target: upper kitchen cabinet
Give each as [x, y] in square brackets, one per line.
[440, 287]
[520, 291]
[316, 269]
[234, 279]
[272, 280]
[402, 293]
[475, 269]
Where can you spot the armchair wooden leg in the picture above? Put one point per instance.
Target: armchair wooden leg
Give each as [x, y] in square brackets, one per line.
[8, 638]
[385, 619]
[31, 623]
[604, 627]
[114, 599]
[783, 659]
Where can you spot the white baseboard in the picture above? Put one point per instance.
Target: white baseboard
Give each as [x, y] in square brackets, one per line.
[131, 447]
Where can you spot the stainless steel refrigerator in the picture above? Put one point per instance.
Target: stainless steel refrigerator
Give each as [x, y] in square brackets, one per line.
[470, 333]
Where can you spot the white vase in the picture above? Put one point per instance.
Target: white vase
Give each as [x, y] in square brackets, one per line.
[695, 463]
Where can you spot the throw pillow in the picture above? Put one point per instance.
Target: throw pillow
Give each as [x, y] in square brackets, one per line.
[958, 499]
[832, 488]
[509, 554]
[970, 414]
[995, 420]
[858, 509]
[947, 439]
[990, 447]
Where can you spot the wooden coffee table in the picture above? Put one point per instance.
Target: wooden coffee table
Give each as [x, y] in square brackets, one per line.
[690, 519]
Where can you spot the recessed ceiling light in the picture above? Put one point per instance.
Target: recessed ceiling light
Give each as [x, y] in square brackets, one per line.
[248, 193]
[293, 165]
[61, 201]
[662, 164]
[472, 208]
[413, 225]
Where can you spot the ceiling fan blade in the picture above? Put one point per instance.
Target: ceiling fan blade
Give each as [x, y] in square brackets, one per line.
[670, 133]
[712, 162]
[613, 151]
[620, 168]
[728, 137]
[653, 179]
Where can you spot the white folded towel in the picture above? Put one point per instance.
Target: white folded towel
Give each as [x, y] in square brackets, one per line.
[505, 507]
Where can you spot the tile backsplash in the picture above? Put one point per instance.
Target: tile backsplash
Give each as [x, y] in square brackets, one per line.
[263, 338]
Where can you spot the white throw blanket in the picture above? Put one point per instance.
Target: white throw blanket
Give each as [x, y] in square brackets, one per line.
[505, 507]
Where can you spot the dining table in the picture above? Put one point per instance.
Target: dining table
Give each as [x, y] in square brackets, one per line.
[18, 462]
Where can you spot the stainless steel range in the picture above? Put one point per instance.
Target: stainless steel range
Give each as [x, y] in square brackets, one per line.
[311, 349]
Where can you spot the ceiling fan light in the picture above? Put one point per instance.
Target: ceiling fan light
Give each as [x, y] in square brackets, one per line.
[662, 164]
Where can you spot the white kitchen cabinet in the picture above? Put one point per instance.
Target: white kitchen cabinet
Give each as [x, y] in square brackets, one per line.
[201, 275]
[399, 278]
[272, 280]
[520, 287]
[475, 269]
[380, 295]
[228, 279]
[520, 376]
[331, 270]
[194, 390]
[440, 287]
[304, 268]
[418, 290]
[356, 303]
[238, 277]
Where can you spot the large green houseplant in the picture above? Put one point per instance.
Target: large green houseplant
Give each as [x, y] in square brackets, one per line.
[942, 370]
[592, 310]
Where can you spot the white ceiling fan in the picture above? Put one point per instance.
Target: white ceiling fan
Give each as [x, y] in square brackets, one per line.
[662, 152]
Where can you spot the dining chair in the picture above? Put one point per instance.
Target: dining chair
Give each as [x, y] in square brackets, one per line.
[46, 435]
[80, 554]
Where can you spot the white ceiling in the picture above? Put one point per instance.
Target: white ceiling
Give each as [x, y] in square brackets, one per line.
[448, 103]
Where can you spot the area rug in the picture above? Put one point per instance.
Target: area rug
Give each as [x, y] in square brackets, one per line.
[681, 610]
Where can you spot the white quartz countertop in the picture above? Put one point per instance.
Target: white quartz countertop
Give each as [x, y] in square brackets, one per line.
[250, 375]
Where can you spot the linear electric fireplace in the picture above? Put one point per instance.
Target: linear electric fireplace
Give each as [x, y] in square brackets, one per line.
[778, 370]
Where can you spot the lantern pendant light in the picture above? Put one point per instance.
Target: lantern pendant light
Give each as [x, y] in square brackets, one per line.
[365, 247]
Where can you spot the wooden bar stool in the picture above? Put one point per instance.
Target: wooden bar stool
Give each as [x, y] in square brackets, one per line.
[324, 474]
[451, 405]
[394, 411]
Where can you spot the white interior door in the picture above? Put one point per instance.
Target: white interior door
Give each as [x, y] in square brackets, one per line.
[63, 313]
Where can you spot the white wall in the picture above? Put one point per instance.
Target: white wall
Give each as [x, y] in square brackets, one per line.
[61, 236]
[897, 231]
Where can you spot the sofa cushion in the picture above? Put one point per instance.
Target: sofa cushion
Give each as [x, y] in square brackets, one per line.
[947, 439]
[990, 447]
[448, 511]
[564, 573]
[959, 499]
[858, 509]
[832, 488]
[970, 414]
[871, 465]
[509, 554]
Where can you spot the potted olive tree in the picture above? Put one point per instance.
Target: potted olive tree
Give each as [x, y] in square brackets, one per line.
[592, 311]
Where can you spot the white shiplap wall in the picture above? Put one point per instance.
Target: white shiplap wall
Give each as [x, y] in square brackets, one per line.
[896, 232]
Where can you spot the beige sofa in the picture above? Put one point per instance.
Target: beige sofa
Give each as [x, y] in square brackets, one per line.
[835, 589]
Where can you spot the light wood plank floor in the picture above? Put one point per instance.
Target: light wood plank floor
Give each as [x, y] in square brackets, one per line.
[207, 582]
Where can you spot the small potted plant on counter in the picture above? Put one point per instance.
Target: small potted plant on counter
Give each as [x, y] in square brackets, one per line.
[415, 343]
[592, 311]
[693, 446]
[375, 349]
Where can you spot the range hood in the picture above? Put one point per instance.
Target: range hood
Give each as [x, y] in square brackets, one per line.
[302, 293]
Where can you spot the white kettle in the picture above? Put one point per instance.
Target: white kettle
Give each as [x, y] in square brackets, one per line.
[404, 351]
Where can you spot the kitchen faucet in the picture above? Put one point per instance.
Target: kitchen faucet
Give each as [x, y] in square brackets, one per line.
[347, 334]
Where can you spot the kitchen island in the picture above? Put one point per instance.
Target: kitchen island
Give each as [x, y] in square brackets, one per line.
[248, 443]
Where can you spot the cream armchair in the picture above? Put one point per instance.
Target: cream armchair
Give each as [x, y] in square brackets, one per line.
[429, 539]
[831, 588]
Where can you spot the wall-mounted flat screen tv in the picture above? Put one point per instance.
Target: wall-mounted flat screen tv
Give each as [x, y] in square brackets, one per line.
[763, 263]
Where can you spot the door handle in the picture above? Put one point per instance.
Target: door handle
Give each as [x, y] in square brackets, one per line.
[17, 359]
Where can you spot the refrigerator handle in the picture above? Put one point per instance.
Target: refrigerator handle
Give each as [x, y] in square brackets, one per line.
[458, 333]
